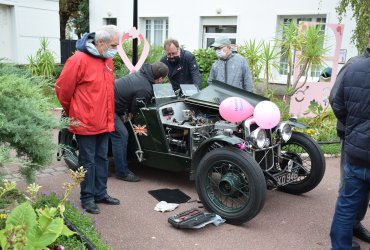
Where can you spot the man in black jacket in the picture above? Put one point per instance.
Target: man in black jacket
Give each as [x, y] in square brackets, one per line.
[126, 92]
[183, 68]
[358, 229]
[351, 105]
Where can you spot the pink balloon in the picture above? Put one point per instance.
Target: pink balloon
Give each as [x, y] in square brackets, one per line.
[235, 109]
[266, 114]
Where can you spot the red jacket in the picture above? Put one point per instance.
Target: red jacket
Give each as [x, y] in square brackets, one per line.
[85, 88]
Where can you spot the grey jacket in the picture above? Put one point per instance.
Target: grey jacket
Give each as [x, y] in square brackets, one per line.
[338, 82]
[233, 71]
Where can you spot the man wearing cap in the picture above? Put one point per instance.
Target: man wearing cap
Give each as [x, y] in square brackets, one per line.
[230, 68]
[183, 68]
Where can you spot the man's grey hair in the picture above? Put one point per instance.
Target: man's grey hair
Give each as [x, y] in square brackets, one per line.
[170, 41]
[159, 70]
[106, 33]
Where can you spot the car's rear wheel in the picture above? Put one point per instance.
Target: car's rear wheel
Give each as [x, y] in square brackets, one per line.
[68, 148]
[231, 184]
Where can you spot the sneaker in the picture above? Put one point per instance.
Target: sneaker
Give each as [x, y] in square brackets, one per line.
[130, 177]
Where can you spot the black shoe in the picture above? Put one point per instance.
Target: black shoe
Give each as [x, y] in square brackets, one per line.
[362, 233]
[355, 246]
[91, 207]
[108, 200]
[130, 177]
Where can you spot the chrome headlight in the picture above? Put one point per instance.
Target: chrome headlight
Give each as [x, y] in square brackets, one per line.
[285, 131]
[259, 137]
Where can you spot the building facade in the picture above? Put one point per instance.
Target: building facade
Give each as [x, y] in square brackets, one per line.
[197, 23]
[22, 25]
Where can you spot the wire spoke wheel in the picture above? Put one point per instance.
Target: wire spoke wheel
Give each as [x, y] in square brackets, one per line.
[303, 151]
[231, 184]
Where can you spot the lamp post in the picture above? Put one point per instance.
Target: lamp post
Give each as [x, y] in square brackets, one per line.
[134, 41]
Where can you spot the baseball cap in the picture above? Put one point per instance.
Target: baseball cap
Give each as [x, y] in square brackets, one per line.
[221, 41]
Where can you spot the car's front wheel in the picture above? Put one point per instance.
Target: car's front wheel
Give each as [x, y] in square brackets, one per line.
[231, 184]
[302, 150]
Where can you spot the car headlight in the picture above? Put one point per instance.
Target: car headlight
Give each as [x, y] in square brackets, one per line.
[259, 137]
[285, 131]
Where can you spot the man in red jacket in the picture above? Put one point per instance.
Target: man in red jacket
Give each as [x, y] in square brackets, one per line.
[85, 89]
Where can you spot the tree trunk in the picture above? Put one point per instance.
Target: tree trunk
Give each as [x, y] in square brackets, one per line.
[63, 23]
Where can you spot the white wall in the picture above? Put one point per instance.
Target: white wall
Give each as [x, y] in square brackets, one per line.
[30, 21]
[256, 19]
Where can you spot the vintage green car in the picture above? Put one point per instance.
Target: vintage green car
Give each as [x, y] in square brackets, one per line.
[233, 164]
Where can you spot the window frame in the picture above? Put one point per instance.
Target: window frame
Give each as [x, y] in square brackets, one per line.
[150, 22]
[322, 18]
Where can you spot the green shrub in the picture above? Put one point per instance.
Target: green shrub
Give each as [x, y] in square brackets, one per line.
[205, 58]
[81, 221]
[26, 124]
[120, 69]
[43, 64]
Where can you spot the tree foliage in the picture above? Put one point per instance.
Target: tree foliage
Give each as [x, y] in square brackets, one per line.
[361, 13]
[67, 9]
[81, 21]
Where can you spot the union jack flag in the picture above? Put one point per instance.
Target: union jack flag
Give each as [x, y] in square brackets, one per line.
[140, 130]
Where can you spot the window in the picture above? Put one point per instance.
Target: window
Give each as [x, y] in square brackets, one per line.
[211, 32]
[316, 69]
[109, 21]
[156, 30]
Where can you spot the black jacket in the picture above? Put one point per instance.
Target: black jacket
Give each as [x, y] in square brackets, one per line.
[130, 87]
[184, 72]
[351, 105]
[338, 81]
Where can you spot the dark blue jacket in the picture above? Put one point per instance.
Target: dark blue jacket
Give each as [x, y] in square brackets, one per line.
[186, 71]
[351, 105]
[338, 82]
[130, 87]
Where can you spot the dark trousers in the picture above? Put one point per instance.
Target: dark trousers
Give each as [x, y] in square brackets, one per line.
[352, 197]
[119, 139]
[362, 212]
[93, 156]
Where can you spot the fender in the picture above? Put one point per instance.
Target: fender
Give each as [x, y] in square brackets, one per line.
[293, 122]
[203, 149]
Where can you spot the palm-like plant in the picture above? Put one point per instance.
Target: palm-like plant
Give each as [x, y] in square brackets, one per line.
[307, 42]
[269, 58]
[252, 51]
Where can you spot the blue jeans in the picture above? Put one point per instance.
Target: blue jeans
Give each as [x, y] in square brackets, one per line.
[93, 156]
[362, 212]
[352, 197]
[119, 139]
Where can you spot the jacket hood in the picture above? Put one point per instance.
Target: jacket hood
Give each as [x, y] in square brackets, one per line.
[146, 71]
[86, 45]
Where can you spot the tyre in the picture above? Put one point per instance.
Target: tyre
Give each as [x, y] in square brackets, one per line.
[303, 150]
[68, 148]
[231, 184]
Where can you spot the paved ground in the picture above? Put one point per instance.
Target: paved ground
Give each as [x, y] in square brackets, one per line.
[285, 222]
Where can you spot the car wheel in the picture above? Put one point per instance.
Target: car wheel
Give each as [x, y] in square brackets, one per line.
[69, 148]
[231, 184]
[303, 150]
